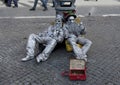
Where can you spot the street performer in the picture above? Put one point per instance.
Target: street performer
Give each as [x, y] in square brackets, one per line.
[55, 34]
[76, 30]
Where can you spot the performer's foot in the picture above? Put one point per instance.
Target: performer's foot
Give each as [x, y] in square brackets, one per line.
[85, 59]
[83, 56]
[27, 58]
[41, 58]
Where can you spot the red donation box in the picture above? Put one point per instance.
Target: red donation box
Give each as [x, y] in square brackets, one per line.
[77, 69]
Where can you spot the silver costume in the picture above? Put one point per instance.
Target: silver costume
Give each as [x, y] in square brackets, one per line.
[50, 38]
[74, 37]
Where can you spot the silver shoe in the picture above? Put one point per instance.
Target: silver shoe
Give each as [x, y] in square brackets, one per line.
[85, 59]
[83, 56]
[41, 58]
[27, 58]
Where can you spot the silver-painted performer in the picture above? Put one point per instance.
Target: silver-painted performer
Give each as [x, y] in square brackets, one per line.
[75, 32]
[50, 38]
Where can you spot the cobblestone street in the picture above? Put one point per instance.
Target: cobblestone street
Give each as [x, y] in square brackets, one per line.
[103, 67]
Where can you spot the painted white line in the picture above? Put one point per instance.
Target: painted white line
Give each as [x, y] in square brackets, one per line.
[107, 15]
[47, 17]
[32, 17]
[81, 16]
[28, 17]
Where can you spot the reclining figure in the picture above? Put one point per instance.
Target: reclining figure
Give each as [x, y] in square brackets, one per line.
[76, 30]
[55, 34]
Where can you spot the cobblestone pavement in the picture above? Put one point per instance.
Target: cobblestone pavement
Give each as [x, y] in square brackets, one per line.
[103, 67]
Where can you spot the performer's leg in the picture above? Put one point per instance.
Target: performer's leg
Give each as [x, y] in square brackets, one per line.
[31, 47]
[76, 49]
[51, 43]
[86, 44]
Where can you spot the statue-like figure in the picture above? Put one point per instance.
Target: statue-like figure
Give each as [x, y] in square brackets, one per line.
[55, 34]
[74, 37]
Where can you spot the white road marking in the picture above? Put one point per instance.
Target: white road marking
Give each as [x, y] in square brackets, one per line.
[107, 15]
[47, 17]
[27, 17]
[31, 17]
[81, 16]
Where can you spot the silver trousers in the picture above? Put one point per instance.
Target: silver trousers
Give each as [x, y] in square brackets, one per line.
[86, 44]
[49, 43]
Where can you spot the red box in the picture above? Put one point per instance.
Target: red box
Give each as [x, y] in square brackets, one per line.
[77, 69]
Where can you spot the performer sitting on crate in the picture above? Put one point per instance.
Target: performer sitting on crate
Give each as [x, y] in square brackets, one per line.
[76, 30]
[50, 38]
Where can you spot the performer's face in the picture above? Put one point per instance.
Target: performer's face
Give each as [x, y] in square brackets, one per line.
[71, 19]
[58, 22]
